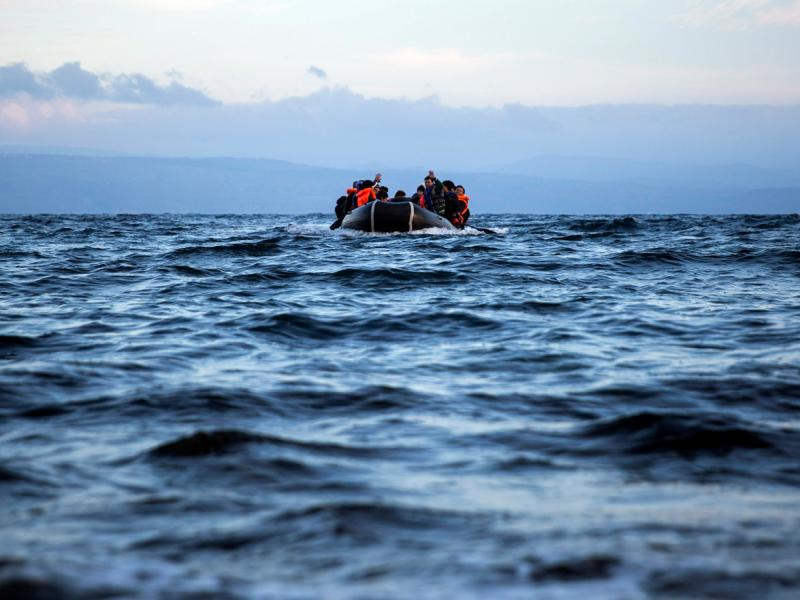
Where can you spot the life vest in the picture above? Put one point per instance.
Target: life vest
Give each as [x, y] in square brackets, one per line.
[438, 200]
[364, 196]
[460, 218]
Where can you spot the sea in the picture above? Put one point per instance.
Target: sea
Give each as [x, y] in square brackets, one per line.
[258, 407]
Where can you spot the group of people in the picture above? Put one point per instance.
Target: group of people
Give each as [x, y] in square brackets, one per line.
[444, 198]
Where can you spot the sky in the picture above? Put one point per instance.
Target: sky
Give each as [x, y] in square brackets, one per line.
[473, 53]
[467, 83]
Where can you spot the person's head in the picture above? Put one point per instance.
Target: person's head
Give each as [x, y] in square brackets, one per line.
[366, 184]
[399, 194]
[448, 185]
[428, 182]
[420, 188]
[460, 190]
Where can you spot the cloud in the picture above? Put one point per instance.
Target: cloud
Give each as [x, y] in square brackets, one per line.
[179, 5]
[788, 14]
[138, 89]
[13, 115]
[741, 14]
[28, 114]
[17, 79]
[70, 80]
[74, 82]
[418, 134]
[317, 72]
[187, 6]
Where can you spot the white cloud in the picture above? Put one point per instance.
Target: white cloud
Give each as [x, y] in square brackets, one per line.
[262, 6]
[70, 80]
[13, 116]
[179, 5]
[461, 79]
[741, 14]
[788, 14]
[25, 113]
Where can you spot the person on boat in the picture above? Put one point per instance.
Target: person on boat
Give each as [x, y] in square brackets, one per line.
[427, 192]
[438, 199]
[382, 193]
[434, 194]
[343, 204]
[461, 208]
[360, 184]
[399, 196]
[362, 192]
[366, 193]
[418, 197]
[451, 204]
[347, 202]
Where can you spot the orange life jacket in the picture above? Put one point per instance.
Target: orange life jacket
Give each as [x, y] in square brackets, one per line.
[364, 196]
[461, 216]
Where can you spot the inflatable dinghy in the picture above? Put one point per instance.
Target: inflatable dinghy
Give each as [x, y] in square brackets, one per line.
[390, 217]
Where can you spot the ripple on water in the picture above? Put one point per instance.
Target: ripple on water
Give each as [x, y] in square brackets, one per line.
[255, 406]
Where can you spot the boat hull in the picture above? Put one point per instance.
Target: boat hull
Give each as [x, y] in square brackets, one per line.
[391, 217]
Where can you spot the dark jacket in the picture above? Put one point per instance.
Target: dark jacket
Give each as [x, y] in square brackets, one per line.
[342, 206]
[451, 204]
[434, 198]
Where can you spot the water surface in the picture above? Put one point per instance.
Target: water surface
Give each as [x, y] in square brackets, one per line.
[258, 407]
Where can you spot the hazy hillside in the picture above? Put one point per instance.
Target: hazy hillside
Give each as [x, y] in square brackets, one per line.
[83, 184]
[598, 168]
[338, 128]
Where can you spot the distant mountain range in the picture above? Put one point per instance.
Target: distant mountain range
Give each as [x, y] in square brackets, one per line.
[592, 168]
[68, 180]
[56, 150]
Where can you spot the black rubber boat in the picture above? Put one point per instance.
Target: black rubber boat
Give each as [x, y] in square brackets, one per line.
[390, 217]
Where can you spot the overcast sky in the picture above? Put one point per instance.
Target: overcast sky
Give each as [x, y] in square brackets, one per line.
[463, 84]
[466, 52]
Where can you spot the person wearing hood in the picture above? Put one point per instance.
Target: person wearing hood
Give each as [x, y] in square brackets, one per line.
[366, 193]
[434, 194]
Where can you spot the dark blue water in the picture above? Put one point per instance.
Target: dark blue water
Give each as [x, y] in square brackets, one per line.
[259, 407]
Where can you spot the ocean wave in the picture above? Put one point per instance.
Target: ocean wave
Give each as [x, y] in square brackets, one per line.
[651, 433]
[571, 305]
[384, 276]
[13, 342]
[723, 583]
[369, 399]
[306, 529]
[299, 327]
[583, 568]
[255, 406]
[182, 403]
[635, 258]
[267, 247]
[266, 275]
[616, 224]
[8, 475]
[223, 441]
